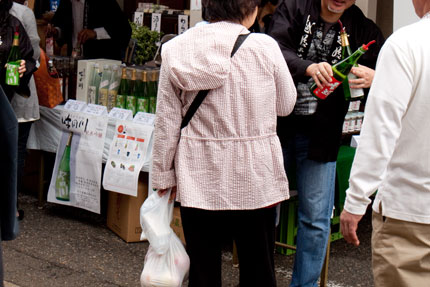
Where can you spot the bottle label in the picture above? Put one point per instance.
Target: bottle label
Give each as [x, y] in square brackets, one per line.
[62, 185]
[111, 100]
[92, 90]
[113, 86]
[103, 97]
[120, 101]
[327, 89]
[143, 105]
[12, 73]
[152, 104]
[131, 103]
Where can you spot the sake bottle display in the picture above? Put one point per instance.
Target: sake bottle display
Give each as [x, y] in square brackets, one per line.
[104, 86]
[131, 97]
[143, 97]
[350, 94]
[113, 88]
[340, 73]
[62, 182]
[13, 62]
[152, 91]
[123, 90]
[93, 87]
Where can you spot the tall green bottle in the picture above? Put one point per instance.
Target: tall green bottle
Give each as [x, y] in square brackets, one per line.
[152, 91]
[13, 62]
[131, 100]
[340, 73]
[123, 90]
[143, 98]
[62, 182]
[350, 94]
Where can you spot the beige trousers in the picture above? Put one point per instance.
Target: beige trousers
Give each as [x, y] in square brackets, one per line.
[400, 253]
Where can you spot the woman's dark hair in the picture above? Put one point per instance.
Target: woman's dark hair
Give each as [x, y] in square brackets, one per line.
[5, 6]
[227, 10]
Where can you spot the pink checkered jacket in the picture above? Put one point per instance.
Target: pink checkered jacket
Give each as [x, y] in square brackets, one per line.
[229, 156]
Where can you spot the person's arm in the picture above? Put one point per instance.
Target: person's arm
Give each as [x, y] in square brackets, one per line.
[286, 92]
[388, 101]
[26, 51]
[31, 29]
[167, 132]
[287, 28]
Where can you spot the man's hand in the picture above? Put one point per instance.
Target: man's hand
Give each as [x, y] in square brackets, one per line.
[22, 69]
[162, 192]
[50, 29]
[85, 35]
[364, 77]
[348, 226]
[320, 72]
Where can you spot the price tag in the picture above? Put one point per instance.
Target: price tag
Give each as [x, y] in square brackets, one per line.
[144, 118]
[138, 18]
[76, 106]
[96, 110]
[156, 22]
[182, 24]
[121, 114]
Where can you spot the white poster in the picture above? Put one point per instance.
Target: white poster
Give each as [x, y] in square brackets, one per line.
[76, 178]
[156, 22]
[196, 4]
[138, 18]
[182, 24]
[127, 155]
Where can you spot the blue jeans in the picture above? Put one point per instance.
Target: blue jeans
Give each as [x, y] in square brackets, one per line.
[315, 188]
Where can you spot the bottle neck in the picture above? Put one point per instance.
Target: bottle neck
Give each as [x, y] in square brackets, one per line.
[15, 41]
[344, 39]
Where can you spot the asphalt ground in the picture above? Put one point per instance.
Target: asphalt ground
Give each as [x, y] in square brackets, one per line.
[66, 246]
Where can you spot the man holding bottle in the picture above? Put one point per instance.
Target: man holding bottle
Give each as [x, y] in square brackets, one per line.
[393, 158]
[99, 26]
[309, 36]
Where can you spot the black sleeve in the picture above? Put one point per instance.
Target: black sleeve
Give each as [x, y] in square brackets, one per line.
[26, 51]
[286, 28]
[115, 23]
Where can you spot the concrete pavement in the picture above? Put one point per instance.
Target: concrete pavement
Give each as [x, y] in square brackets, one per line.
[63, 246]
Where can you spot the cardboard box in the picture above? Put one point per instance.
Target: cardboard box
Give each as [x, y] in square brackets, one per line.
[176, 224]
[123, 214]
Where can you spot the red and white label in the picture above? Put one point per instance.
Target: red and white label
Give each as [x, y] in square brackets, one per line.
[327, 89]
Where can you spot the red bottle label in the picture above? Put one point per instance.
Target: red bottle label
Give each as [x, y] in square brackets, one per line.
[327, 89]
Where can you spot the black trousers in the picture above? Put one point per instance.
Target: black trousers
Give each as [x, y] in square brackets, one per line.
[254, 233]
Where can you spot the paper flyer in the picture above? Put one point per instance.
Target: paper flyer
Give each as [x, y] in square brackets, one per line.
[126, 157]
[76, 178]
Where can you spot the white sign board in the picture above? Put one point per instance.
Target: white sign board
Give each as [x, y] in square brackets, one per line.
[156, 22]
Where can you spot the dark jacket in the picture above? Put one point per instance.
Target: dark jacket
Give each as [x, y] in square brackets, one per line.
[8, 169]
[26, 50]
[324, 127]
[101, 14]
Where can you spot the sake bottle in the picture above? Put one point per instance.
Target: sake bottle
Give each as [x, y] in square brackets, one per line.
[62, 182]
[143, 98]
[104, 86]
[131, 97]
[13, 62]
[152, 91]
[113, 88]
[340, 73]
[350, 94]
[94, 85]
[123, 90]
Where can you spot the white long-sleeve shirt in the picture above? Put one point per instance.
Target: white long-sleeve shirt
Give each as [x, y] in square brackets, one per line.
[393, 155]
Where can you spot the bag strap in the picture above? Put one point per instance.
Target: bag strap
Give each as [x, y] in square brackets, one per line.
[203, 93]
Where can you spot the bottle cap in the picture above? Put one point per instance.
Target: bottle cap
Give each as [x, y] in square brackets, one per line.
[342, 28]
[366, 47]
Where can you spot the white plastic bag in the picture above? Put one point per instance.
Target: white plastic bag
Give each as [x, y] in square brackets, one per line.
[166, 262]
[166, 270]
[155, 217]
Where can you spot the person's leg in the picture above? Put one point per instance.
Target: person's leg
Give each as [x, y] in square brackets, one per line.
[23, 132]
[400, 253]
[315, 187]
[203, 231]
[254, 233]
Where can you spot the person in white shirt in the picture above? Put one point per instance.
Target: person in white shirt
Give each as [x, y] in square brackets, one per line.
[393, 158]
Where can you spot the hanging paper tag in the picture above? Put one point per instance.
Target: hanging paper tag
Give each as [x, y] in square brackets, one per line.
[138, 18]
[156, 22]
[182, 24]
[73, 105]
[96, 110]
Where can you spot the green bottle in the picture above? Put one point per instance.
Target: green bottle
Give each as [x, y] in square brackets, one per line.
[93, 87]
[143, 98]
[13, 62]
[131, 100]
[62, 182]
[152, 91]
[123, 90]
[340, 73]
[350, 94]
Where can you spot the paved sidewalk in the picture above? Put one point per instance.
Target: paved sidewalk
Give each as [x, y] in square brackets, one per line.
[7, 284]
[64, 246]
